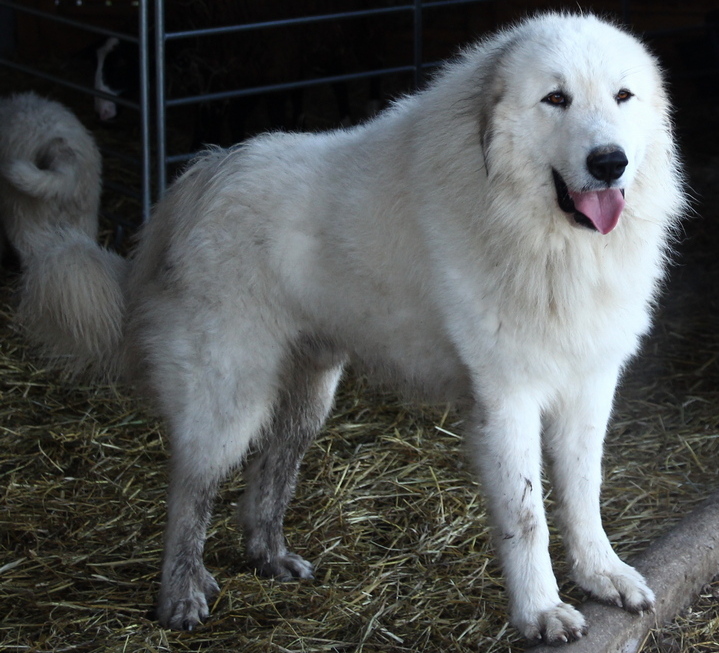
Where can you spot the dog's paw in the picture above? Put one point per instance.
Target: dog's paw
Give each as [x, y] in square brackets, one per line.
[557, 625]
[186, 606]
[623, 586]
[284, 567]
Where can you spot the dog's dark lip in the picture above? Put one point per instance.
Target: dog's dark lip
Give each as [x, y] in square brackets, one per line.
[566, 203]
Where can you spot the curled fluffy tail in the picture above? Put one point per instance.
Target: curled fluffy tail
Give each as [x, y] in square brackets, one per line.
[72, 303]
[52, 174]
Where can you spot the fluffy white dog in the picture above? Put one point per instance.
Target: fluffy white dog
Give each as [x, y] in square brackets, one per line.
[496, 240]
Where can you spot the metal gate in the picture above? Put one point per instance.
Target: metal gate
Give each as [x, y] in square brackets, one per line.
[152, 39]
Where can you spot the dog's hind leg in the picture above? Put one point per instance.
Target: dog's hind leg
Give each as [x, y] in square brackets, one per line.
[306, 398]
[217, 403]
[187, 587]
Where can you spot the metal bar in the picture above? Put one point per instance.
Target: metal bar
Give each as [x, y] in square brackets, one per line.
[160, 100]
[62, 82]
[145, 112]
[68, 21]
[417, 42]
[304, 20]
[285, 22]
[180, 158]
[288, 86]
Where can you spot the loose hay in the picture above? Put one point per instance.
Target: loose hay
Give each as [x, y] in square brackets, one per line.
[386, 507]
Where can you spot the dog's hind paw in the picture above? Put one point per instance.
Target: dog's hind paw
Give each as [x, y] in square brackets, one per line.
[284, 567]
[557, 625]
[189, 608]
[187, 614]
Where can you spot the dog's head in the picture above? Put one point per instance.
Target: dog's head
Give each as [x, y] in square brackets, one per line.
[576, 105]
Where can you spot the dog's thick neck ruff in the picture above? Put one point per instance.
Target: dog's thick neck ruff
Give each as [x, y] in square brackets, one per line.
[597, 209]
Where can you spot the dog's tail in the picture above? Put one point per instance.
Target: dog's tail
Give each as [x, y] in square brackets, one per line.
[72, 301]
[50, 174]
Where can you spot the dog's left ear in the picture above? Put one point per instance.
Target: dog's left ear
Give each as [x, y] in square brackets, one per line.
[491, 90]
[485, 133]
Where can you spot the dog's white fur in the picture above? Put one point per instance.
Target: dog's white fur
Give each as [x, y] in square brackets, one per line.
[427, 247]
[50, 184]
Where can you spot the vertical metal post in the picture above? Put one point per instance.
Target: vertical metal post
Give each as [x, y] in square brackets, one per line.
[160, 97]
[417, 43]
[146, 196]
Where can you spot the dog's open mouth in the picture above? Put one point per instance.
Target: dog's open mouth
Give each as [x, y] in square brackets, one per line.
[596, 209]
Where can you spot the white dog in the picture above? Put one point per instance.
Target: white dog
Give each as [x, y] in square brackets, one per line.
[496, 240]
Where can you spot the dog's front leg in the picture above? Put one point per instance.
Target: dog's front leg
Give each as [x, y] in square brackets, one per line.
[574, 442]
[507, 451]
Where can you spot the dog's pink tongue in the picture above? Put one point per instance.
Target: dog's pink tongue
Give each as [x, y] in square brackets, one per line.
[602, 207]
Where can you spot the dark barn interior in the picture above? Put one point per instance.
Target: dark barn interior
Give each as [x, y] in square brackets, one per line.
[386, 508]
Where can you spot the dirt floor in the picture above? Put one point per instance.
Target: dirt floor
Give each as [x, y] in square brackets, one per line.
[386, 508]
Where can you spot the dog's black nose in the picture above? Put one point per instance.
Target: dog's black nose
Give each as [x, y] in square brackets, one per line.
[607, 163]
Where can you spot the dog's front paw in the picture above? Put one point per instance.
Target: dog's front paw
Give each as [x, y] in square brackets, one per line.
[557, 625]
[185, 605]
[622, 585]
[284, 567]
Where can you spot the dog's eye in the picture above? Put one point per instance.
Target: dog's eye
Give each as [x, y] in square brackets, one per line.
[623, 96]
[556, 99]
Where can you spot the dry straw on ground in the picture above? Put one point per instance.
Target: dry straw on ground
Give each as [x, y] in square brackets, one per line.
[386, 507]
